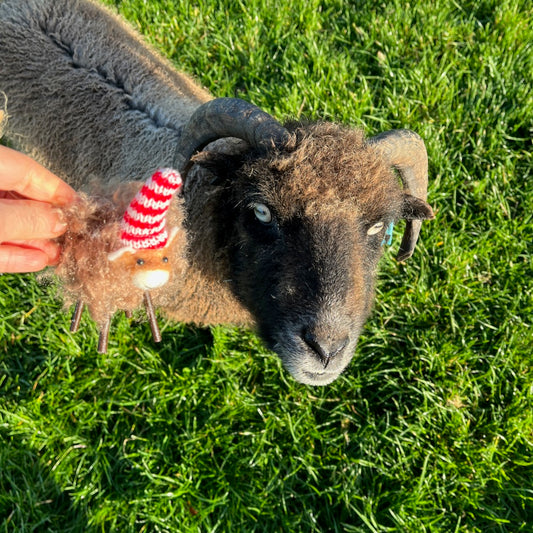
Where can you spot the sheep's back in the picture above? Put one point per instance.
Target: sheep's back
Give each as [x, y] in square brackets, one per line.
[85, 104]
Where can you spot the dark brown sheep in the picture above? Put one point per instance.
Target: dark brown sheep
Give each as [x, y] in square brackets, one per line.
[284, 225]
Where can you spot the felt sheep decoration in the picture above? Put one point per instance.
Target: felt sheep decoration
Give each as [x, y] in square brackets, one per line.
[109, 265]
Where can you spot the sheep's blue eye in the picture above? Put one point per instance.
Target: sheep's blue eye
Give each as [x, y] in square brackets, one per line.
[262, 213]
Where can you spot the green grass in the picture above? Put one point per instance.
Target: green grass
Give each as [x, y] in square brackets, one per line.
[430, 429]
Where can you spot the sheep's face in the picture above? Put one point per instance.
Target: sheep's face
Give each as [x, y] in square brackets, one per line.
[147, 269]
[305, 233]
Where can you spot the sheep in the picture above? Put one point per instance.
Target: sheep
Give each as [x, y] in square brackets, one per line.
[284, 224]
[120, 251]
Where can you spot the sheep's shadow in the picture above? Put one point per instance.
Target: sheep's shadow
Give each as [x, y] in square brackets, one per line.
[31, 497]
[182, 345]
[29, 494]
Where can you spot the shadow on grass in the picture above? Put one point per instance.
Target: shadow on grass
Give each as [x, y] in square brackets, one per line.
[184, 345]
[67, 419]
[30, 498]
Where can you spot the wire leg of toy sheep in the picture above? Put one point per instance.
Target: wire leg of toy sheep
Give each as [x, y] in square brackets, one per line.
[104, 331]
[76, 317]
[151, 317]
[104, 336]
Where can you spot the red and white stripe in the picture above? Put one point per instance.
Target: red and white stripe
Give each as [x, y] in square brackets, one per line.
[143, 225]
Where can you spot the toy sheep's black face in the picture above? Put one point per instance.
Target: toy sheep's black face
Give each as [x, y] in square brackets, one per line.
[305, 235]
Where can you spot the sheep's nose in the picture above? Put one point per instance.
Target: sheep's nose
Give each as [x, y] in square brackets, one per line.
[324, 349]
[150, 279]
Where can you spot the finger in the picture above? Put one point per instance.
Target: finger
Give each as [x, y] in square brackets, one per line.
[50, 248]
[22, 174]
[16, 259]
[26, 219]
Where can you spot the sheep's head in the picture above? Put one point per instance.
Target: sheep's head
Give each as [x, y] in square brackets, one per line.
[304, 223]
[147, 269]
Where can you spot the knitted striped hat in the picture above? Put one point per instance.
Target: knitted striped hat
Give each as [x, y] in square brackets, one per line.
[143, 226]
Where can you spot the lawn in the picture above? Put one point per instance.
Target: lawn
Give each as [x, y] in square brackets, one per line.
[431, 427]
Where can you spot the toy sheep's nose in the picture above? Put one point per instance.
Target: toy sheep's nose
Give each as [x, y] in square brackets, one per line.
[324, 350]
[150, 279]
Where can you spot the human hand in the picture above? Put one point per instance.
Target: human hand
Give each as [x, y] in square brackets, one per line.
[30, 197]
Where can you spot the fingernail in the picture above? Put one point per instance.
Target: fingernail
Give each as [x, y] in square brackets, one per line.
[53, 251]
[66, 199]
[60, 227]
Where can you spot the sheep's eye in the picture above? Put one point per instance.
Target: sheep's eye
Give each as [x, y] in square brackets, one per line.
[165, 259]
[376, 228]
[140, 262]
[262, 213]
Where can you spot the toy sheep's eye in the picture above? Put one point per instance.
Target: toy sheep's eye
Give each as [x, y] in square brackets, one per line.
[262, 213]
[376, 228]
[165, 259]
[140, 262]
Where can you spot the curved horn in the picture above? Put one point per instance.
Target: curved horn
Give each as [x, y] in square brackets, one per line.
[227, 117]
[406, 152]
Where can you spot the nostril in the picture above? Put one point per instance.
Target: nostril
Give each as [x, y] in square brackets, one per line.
[324, 350]
[313, 343]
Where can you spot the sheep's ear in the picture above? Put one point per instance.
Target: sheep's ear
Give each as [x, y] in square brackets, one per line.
[416, 209]
[113, 256]
[172, 234]
[222, 166]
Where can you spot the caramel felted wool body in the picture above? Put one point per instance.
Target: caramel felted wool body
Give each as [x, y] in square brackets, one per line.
[85, 270]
